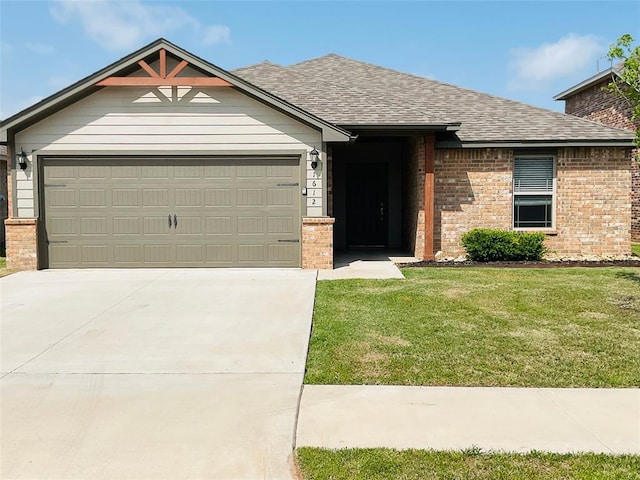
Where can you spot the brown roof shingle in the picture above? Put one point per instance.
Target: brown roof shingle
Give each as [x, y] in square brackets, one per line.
[348, 92]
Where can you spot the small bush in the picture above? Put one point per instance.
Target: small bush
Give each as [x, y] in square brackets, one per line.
[487, 245]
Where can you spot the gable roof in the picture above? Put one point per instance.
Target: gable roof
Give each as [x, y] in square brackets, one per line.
[593, 80]
[355, 94]
[128, 64]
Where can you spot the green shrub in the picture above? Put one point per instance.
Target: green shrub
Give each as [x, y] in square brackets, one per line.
[487, 245]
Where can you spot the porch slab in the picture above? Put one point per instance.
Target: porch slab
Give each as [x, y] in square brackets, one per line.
[363, 264]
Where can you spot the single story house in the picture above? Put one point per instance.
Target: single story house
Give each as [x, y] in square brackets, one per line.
[590, 99]
[164, 159]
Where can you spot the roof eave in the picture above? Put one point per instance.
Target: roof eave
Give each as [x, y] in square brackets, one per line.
[536, 143]
[432, 127]
[598, 77]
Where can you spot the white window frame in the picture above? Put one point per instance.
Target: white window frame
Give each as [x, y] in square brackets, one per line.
[553, 194]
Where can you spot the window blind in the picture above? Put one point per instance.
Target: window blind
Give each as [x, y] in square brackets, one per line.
[533, 175]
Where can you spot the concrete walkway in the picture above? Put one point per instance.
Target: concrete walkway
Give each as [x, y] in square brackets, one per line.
[152, 374]
[454, 418]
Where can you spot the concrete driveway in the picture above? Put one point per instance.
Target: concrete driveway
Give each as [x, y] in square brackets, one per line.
[149, 374]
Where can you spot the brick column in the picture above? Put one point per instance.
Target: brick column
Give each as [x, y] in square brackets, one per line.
[22, 243]
[317, 242]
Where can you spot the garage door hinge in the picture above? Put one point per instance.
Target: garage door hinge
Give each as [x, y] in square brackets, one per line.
[56, 241]
[288, 184]
[55, 185]
[289, 241]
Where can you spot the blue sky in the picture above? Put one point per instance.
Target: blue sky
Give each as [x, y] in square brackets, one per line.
[523, 50]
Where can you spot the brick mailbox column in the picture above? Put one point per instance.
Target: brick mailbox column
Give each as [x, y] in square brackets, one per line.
[317, 242]
[22, 243]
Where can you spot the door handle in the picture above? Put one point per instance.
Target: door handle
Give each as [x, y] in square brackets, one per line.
[175, 221]
[169, 221]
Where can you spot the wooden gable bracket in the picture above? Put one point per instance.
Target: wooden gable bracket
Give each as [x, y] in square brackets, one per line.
[163, 79]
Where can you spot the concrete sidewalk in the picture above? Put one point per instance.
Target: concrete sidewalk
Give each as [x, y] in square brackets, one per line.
[454, 418]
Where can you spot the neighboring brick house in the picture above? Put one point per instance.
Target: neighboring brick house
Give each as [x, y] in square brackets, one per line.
[164, 159]
[590, 100]
[4, 200]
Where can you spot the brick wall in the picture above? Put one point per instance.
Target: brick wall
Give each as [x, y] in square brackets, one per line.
[593, 207]
[596, 104]
[600, 106]
[413, 197]
[474, 189]
[22, 252]
[317, 242]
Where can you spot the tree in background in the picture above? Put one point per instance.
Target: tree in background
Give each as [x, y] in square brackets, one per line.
[626, 84]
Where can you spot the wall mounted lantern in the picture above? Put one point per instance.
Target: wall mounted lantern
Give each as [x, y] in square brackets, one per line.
[22, 159]
[315, 155]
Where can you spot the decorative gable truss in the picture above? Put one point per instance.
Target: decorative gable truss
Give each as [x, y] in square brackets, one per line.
[162, 78]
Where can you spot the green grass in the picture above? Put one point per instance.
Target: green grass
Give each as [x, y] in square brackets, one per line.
[383, 464]
[555, 327]
[635, 249]
[3, 262]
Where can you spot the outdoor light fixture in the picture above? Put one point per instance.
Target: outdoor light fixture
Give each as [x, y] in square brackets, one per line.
[22, 159]
[315, 154]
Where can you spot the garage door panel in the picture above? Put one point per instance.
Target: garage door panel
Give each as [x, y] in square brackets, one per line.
[62, 197]
[155, 197]
[154, 172]
[125, 197]
[190, 253]
[217, 197]
[280, 225]
[63, 226]
[127, 255]
[126, 226]
[94, 226]
[251, 169]
[282, 170]
[188, 197]
[222, 172]
[65, 254]
[122, 211]
[92, 172]
[95, 197]
[158, 225]
[123, 172]
[280, 196]
[249, 197]
[61, 172]
[250, 226]
[188, 225]
[157, 254]
[96, 254]
[251, 254]
[218, 226]
[282, 253]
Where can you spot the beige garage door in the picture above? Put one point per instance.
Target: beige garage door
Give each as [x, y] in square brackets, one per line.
[161, 212]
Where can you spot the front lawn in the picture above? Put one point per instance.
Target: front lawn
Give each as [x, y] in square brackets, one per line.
[384, 464]
[635, 249]
[553, 327]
